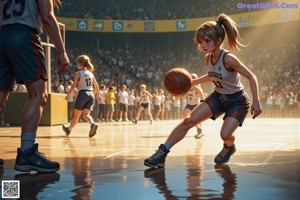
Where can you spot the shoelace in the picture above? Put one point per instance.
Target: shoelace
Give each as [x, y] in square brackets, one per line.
[224, 151]
[41, 155]
[158, 154]
[223, 98]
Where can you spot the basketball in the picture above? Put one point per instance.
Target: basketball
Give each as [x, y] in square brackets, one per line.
[178, 81]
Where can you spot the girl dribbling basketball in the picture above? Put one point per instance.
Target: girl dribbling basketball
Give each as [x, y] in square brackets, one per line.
[224, 70]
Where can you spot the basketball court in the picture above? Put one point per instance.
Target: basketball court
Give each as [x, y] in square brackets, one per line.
[110, 165]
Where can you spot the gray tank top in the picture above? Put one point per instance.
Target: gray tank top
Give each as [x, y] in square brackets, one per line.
[23, 12]
[225, 81]
[86, 80]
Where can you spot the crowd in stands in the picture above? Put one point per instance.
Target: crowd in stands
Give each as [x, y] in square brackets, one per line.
[277, 70]
[150, 9]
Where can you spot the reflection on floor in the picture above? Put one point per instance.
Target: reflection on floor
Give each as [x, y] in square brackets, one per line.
[110, 165]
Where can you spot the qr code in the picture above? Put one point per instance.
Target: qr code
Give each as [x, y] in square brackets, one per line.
[11, 189]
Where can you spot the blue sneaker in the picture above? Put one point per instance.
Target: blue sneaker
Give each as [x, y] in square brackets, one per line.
[93, 130]
[33, 160]
[158, 158]
[1, 162]
[225, 154]
[66, 130]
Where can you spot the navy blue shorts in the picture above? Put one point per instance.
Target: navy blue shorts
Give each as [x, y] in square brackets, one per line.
[233, 105]
[85, 100]
[21, 56]
[145, 105]
[190, 107]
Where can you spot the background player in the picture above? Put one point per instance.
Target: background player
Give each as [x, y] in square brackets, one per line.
[224, 70]
[22, 59]
[144, 103]
[84, 80]
[193, 99]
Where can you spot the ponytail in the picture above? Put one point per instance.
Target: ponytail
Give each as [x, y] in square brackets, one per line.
[232, 32]
[85, 61]
[218, 29]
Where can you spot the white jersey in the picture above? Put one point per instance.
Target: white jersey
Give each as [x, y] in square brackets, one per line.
[71, 96]
[123, 95]
[103, 96]
[20, 12]
[144, 97]
[226, 81]
[193, 97]
[131, 100]
[86, 80]
[157, 100]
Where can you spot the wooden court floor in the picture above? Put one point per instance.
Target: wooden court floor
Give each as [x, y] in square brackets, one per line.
[110, 165]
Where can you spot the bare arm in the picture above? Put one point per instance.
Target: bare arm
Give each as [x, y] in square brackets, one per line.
[234, 63]
[76, 79]
[201, 80]
[97, 89]
[51, 26]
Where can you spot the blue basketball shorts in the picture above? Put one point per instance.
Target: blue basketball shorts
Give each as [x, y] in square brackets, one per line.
[190, 107]
[233, 105]
[85, 100]
[21, 56]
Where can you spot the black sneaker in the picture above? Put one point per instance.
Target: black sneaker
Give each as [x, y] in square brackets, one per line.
[33, 160]
[66, 130]
[1, 162]
[224, 155]
[199, 133]
[158, 158]
[93, 130]
[134, 121]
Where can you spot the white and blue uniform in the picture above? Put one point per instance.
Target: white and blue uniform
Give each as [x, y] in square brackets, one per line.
[192, 99]
[145, 100]
[228, 96]
[86, 96]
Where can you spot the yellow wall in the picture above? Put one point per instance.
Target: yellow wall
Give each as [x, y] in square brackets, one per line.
[264, 17]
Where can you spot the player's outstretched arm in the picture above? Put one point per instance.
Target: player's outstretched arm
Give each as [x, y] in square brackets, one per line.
[51, 26]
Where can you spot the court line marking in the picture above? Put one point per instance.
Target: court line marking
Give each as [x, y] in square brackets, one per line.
[271, 155]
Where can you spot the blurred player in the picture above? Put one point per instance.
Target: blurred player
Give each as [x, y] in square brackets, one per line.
[224, 70]
[22, 59]
[193, 99]
[84, 79]
[144, 104]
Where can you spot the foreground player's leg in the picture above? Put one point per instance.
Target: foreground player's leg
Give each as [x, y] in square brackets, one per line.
[3, 99]
[230, 124]
[29, 158]
[199, 114]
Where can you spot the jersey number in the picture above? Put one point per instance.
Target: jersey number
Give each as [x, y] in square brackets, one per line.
[88, 82]
[218, 84]
[17, 12]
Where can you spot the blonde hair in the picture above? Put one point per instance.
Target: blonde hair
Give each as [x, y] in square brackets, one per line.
[85, 61]
[143, 86]
[215, 29]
